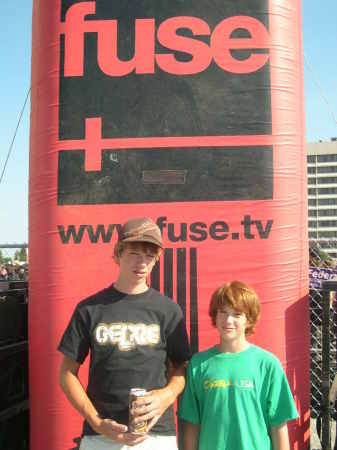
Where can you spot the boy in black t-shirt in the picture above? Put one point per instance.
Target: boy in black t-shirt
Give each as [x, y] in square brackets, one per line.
[132, 332]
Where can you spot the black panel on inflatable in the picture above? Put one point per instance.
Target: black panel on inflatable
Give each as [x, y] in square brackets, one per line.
[226, 94]
[200, 174]
[161, 103]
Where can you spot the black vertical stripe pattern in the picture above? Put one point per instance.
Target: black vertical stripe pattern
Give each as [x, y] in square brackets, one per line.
[181, 279]
[194, 334]
[155, 276]
[168, 272]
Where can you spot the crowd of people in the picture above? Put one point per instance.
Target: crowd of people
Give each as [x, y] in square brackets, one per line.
[14, 271]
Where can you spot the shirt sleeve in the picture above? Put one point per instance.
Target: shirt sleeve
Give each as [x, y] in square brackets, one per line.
[178, 349]
[75, 341]
[280, 402]
[189, 407]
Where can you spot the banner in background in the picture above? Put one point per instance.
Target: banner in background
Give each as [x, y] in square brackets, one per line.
[317, 275]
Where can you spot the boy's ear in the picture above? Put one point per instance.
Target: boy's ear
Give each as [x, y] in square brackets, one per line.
[159, 254]
[248, 325]
[115, 257]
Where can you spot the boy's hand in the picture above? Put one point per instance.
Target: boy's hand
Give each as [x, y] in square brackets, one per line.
[152, 406]
[117, 432]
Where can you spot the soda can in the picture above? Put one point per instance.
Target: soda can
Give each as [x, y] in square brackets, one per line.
[140, 427]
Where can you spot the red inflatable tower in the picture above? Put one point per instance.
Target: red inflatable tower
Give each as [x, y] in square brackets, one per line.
[189, 112]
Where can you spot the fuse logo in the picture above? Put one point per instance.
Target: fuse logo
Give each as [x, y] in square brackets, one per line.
[155, 90]
[168, 35]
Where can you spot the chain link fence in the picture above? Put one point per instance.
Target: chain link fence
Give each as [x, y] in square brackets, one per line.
[323, 335]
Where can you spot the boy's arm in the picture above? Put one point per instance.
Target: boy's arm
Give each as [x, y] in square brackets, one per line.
[191, 436]
[155, 403]
[75, 393]
[279, 437]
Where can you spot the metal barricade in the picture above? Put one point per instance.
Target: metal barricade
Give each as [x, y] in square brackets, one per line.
[323, 364]
[14, 396]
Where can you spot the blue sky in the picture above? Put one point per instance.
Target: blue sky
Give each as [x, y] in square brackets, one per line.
[320, 49]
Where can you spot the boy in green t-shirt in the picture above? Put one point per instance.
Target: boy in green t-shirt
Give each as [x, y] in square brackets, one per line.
[237, 396]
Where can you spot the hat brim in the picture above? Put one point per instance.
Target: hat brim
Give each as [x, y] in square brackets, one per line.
[148, 239]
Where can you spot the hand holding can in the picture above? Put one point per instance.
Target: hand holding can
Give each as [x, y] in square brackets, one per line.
[140, 427]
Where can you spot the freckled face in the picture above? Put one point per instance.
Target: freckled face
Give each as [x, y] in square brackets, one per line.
[231, 323]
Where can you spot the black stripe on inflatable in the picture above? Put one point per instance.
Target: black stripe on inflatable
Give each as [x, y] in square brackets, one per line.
[155, 276]
[168, 275]
[194, 334]
[181, 279]
[211, 174]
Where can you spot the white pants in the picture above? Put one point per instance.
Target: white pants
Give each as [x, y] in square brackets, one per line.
[153, 442]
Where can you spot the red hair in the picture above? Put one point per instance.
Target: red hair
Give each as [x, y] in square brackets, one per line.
[240, 297]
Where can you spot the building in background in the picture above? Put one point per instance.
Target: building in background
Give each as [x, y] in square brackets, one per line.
[322, 194]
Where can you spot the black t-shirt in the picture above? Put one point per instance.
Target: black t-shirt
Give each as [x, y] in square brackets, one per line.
[130, 338]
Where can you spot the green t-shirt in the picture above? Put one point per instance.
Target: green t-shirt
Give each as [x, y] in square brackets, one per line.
[236, 398]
